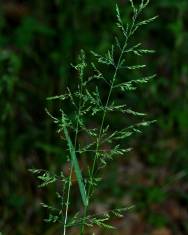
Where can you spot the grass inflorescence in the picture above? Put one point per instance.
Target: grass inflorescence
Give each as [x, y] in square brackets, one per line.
[89, 105]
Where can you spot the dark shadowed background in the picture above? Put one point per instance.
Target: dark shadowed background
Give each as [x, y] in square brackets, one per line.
[38, 41]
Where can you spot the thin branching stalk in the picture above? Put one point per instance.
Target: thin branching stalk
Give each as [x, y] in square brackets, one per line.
[117, 67]
[81, 73]
[87, 103]
[67, 201]
[99, 135]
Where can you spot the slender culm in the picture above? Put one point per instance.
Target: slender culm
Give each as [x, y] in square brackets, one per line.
[89, 105]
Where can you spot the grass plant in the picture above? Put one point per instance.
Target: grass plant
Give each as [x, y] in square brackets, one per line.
[87, 104]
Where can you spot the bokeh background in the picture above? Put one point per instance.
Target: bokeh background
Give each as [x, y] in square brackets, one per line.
[38, 41]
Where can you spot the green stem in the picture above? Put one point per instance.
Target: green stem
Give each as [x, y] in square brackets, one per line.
[72, 162]
[67, 201]
[108, 98]
[100, 133]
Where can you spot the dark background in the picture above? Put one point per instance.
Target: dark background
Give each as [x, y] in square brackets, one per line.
[38, 41]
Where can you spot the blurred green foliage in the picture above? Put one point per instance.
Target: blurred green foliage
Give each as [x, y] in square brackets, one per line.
[38, 41]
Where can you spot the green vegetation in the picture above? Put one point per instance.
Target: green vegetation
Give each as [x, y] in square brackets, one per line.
[88, 102]
[38, 41]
